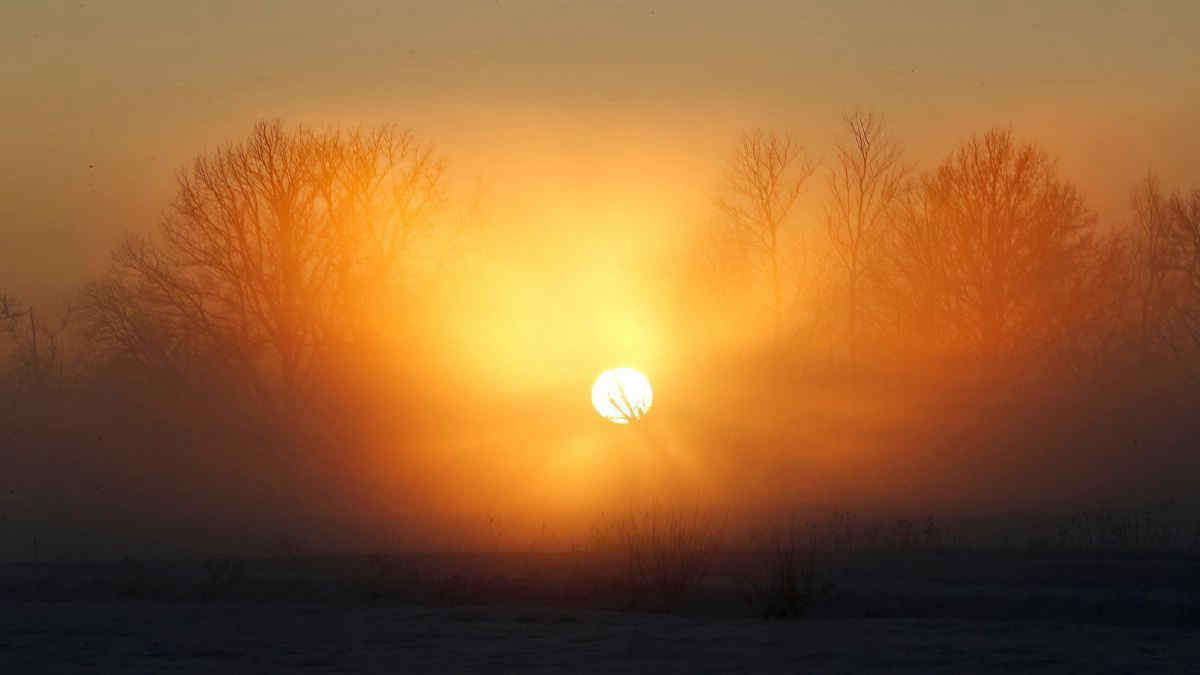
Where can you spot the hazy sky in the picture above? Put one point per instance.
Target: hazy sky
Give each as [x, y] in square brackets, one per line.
[596, 102]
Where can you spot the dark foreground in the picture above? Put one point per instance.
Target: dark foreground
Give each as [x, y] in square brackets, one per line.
[454, 613]
[216, 638]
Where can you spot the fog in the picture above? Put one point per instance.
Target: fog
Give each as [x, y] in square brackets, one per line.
[406, 364]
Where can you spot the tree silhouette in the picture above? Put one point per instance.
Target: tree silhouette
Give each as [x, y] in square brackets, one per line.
[1153, 264]
[1185, 239]
[274, 251]
[865, 184]
[37, 345]
[762, 182]
[990, 244]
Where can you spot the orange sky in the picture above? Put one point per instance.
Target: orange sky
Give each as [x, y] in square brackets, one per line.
[620, 110]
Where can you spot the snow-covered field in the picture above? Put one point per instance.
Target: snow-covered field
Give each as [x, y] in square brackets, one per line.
[452, 613]
[214, 638]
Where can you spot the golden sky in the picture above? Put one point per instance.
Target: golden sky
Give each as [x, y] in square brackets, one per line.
[615, 107]
[594, 133]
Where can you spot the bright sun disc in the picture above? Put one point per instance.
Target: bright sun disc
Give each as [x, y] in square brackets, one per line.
[622, 395]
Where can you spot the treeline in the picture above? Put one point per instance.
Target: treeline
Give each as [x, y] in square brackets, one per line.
[285, 277]
[993, 252]
[970, 332]
[276, 256]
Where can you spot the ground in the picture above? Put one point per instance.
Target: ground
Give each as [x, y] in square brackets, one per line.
[460, 613]
[138, 637]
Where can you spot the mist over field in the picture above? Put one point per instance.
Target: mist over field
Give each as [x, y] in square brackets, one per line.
[893, 282]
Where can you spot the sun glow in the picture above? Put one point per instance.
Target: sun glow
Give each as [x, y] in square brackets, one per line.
[622, 395]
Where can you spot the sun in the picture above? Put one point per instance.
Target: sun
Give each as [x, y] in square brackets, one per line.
[622, 395]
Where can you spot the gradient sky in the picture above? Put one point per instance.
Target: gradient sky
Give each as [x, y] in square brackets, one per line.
[596, 102]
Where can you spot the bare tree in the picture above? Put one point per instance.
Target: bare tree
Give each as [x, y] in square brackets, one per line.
[1185, 240]
[144, 313]
[1086, 328]
[37, 345]
[274, 250]
[9, 308]
[1154, 261]
[990, 244]
[865, 185]
[10, 314]
[1165, 267]
[762, 183]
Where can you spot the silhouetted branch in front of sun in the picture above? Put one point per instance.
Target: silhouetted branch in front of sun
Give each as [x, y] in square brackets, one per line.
[629, 412]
